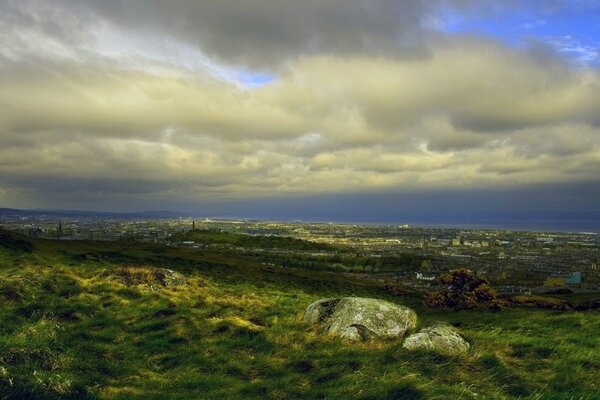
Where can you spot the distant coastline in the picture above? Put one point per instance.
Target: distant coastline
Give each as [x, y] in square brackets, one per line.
[570, 222]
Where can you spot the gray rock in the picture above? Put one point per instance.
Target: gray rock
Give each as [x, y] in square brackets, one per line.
[357, 318]
[168, 277]
[440, 338]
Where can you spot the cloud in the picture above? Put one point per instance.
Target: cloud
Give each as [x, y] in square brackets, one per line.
[264, 33]
[351, 108]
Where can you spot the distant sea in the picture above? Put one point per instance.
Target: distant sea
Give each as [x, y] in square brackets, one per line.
[577, 222]
[536, 221]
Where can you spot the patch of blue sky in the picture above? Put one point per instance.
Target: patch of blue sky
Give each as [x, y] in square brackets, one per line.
[571, 28]
[253, 79]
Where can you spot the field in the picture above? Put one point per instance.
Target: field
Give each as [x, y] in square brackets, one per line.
[71, 328]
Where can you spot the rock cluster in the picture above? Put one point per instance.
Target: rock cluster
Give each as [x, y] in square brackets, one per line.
[362, 319]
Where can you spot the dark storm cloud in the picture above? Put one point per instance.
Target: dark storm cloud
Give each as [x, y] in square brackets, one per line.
[265, 33]
[259, 33]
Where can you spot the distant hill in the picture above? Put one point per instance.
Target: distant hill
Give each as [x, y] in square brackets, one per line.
[12, 211]
[82, 213]
[250, 241]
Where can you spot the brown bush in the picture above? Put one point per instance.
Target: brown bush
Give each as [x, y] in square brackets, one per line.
[464, 291]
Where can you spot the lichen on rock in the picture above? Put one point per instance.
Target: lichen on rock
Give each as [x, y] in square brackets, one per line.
[440, 338]
[357, 318]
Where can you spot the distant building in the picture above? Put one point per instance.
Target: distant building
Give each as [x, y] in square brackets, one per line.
[572, 279]
[422, 277]
[545, 239]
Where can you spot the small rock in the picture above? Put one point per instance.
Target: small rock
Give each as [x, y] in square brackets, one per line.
[441, 338]
[169, 277]
[357, 318]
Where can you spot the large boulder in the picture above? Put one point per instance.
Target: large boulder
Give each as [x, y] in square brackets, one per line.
[440, 338]
[357, 318]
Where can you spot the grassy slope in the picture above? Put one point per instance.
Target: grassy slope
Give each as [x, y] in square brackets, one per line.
[249, 241]
[236, 331]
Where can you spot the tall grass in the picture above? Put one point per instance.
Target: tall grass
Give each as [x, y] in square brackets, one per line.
[68, 329]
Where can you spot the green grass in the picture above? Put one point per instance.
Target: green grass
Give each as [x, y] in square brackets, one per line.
[67, 330]
[208, 237]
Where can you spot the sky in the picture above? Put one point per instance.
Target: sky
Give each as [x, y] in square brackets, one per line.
[338, 109]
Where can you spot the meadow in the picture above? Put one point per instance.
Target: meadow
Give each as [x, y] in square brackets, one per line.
[70, 329]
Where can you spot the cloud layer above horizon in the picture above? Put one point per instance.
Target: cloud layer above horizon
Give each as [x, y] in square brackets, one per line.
[182, 102]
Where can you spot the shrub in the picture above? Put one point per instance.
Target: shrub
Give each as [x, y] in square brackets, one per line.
[131, 275]
[589, 305]
[541, 302]
[464, 291]
[13, 243]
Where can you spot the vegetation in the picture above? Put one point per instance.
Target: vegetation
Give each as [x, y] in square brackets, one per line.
[297, 253]
[396, 288]
[131, 275]
[464, 291]
[13, 244]
[541, 302]
[69, 329]
[210, 237]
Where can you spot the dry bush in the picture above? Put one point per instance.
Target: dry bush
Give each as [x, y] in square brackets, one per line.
[131, 275]
[464, 291]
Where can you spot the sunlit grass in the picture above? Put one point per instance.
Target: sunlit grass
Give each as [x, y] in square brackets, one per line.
[69, 330]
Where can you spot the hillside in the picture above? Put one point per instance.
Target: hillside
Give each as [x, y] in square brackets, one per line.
[91, 320]
[213, 237]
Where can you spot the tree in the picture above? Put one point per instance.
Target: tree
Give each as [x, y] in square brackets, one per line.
[464, 291]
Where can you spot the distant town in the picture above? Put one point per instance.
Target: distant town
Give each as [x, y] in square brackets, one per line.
[513, 261]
